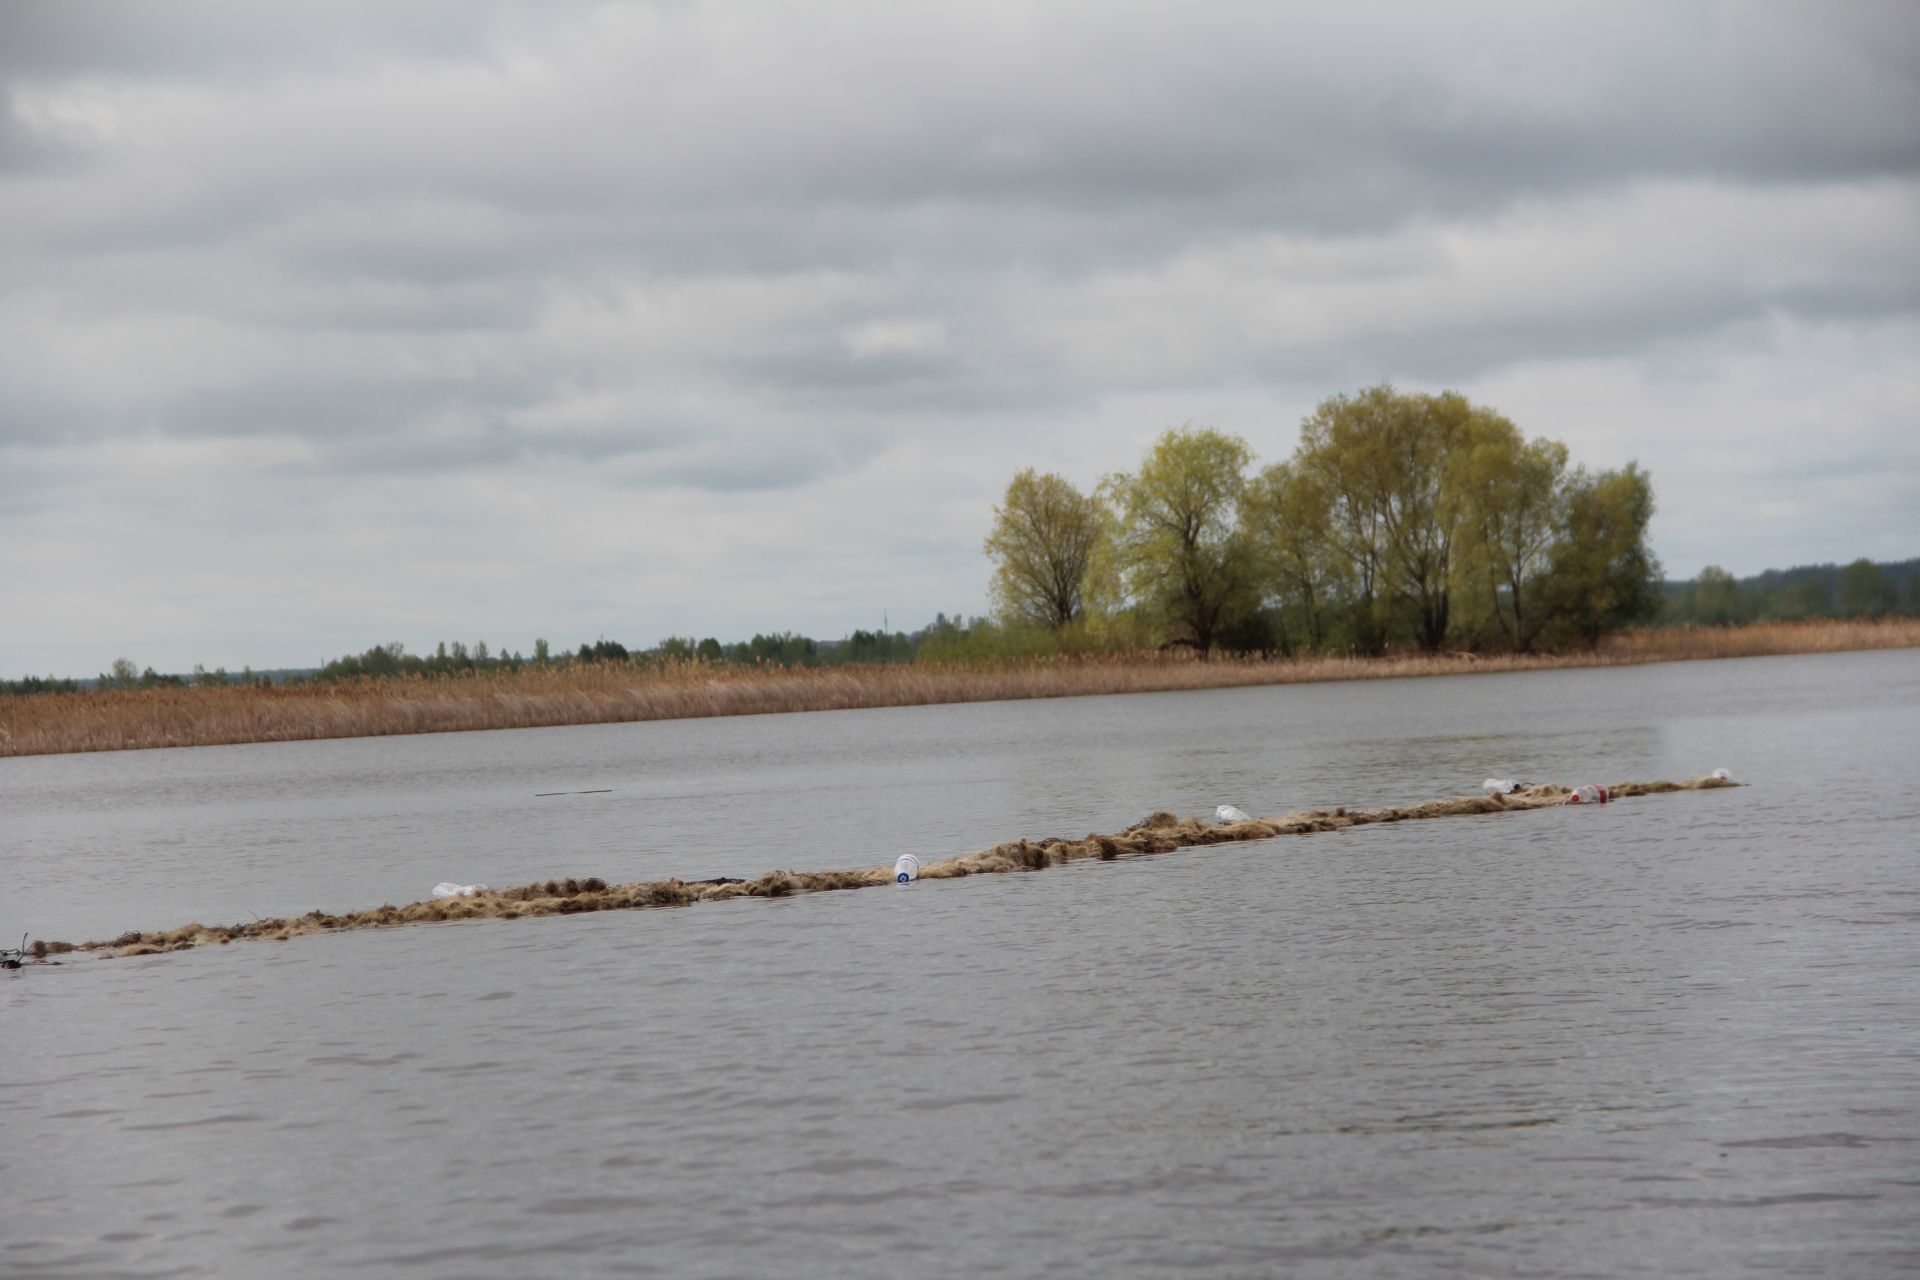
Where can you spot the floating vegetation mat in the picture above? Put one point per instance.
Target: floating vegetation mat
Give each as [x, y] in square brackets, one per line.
[1160, 833]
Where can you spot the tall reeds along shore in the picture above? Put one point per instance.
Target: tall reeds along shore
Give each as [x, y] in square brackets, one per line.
[598, 693]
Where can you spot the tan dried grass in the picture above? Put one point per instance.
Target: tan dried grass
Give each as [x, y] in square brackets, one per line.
[1160, 833]
[114, 719]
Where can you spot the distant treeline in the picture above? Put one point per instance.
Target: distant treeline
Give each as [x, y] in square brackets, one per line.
[1715, 598]
[781, 649]
[454, 658]
[1401, 523]
[39, 684]
[125, 675]
[1862, 589]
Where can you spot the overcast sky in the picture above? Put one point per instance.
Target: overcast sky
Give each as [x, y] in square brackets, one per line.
[329, 324]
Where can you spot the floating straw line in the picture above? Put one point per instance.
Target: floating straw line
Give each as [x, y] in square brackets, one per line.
[1160, 833]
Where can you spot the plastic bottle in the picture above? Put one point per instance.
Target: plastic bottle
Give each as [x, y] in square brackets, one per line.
[906, 869]
[1226, 814]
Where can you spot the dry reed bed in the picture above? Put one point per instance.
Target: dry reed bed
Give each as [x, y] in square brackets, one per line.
[1160, 833]
[112, 720]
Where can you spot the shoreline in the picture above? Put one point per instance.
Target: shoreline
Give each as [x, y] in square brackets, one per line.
[142, 719]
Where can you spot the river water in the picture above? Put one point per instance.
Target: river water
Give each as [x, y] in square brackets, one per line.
[1675, 1036]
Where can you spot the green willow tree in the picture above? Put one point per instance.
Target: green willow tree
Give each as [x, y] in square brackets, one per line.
[1045, 537]
[1285, 515]
[1608, 575]
[1338, 456]
[1508, 502]
[1422, 434]
[1181, 554]
[1381, 457]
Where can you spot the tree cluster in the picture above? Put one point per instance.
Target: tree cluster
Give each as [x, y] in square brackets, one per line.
[1421, 521]
[1862, 589]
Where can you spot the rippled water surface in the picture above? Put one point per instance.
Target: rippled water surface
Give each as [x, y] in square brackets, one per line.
[1675, 1036]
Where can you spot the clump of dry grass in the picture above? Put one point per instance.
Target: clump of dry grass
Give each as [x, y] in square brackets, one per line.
[596, 693]
[1161, 832]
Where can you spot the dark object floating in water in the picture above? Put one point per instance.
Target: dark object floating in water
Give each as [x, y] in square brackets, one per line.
[21, 956]
[597, 791]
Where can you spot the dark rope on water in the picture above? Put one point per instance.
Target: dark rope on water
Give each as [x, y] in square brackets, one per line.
[21, 956]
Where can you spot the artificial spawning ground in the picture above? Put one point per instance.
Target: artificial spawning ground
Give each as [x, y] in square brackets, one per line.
[1160, 833]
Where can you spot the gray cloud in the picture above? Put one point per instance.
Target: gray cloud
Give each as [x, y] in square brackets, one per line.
[690, 271]
[201, 38]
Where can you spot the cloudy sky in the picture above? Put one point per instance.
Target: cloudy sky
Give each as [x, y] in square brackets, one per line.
[329, 324]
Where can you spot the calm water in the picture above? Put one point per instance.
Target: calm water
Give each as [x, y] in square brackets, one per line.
[1675, 1036]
